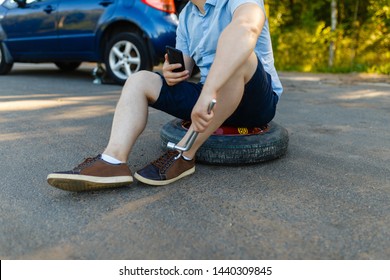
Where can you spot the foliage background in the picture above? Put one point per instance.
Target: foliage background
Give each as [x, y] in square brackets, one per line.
[302, 35]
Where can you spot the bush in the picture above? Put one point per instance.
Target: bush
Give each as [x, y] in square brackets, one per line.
[362, 44]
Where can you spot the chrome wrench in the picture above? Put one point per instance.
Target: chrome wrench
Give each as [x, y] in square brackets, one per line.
[191, 139]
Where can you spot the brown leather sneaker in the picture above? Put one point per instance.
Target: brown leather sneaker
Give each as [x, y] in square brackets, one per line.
[166, 169]
[92, 174]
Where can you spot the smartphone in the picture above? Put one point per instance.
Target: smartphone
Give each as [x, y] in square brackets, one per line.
[175, 56]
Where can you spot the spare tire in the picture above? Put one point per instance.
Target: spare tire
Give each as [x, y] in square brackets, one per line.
[246, 147]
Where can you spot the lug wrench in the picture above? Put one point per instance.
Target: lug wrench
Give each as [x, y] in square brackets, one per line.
[191, 139]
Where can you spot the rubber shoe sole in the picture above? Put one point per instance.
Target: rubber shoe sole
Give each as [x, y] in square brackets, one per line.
[79, 183]
[163, 182]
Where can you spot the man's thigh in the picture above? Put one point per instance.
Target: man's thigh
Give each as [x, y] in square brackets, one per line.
[178, 100]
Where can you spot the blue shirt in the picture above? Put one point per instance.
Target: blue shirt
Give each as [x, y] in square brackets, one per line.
[197, 36]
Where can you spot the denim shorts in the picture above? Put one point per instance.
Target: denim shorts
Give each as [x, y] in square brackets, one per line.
[257, 106]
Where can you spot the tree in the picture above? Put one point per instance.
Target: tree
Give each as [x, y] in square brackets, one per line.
[332, 46]
[335, 35]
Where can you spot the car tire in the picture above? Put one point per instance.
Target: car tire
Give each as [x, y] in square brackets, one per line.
[4, 66]
[67, 66]
[233, 150]
[126, 54]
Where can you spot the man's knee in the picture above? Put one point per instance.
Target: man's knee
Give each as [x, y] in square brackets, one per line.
[139, 78]
[250, 67]
[146, 82]
[242, 75]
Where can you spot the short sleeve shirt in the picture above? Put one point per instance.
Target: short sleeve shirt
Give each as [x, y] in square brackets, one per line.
[197, 36]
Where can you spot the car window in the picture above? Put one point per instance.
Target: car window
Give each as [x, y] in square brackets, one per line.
[27, 1]
[11, 4]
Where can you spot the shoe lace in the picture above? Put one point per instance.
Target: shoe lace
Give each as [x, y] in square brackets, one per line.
[165, 161]
[87, 162]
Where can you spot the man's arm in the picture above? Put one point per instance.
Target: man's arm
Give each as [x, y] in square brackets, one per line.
[235, 45]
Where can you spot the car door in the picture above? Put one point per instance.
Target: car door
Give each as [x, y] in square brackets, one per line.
[32, 30]
[78, 25]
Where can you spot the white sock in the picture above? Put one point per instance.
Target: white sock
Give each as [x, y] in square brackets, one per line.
[110, 159]
[186, 158]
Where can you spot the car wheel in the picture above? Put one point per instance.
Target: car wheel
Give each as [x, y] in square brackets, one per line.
[4, 66]
[243, 146]
[126, 54]
[67, 66]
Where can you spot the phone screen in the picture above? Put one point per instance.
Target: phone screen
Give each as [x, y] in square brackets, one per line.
[175, 56]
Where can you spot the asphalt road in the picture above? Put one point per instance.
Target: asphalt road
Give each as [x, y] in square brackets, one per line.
[328, 198]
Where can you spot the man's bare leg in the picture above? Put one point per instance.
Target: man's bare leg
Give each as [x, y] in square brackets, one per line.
[129, 122]
[131, 113]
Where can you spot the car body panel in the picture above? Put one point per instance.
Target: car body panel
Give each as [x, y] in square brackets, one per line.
[159, 28]
[72, 30]
[77, 25]
[31, 31]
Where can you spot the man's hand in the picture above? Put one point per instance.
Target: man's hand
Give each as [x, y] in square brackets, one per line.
[201, 115]
[173, 78]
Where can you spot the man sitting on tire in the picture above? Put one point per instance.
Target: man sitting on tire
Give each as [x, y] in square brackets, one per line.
[230, 43]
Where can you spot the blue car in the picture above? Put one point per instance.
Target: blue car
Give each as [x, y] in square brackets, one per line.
[125, 35]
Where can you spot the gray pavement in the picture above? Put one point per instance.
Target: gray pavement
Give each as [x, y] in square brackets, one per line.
[328, 198]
